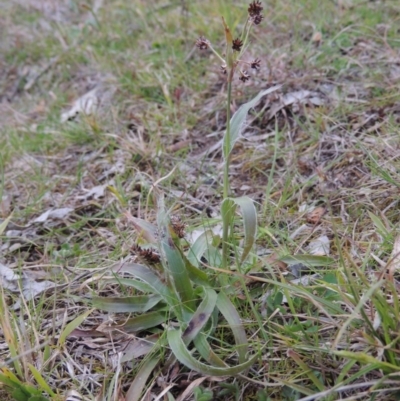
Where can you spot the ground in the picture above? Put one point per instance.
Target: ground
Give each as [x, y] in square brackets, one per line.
[107, 105]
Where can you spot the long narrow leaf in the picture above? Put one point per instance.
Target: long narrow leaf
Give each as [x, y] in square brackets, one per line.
[195, 274]
[130, 282]
[206, 351]
[71, 326]
[145, 274]
[239, 118]
[40, 381]
[137, 386]
[183, 355]
[235, 323]
[141, 303]
[363, 358]
[178, 272]
[249, 215]
[201, 316]
[9, 379]
[199, 246]
[308, 260]
[172, 260]
[145, 321]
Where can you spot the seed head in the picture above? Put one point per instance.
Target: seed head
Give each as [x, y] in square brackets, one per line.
[257, 19]
[202, 43]
[255, 64]
[244, 76]
[149, 255]
[237, 44]
[255, 8]
[178, 226]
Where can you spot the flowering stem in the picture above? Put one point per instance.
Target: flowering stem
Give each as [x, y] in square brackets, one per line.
[246, 37]
[221, 59]
[228, 136]
[227, 141]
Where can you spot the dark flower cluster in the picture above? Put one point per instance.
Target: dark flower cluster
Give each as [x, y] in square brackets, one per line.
[202, 43]
[178, 226]
[255, 64]
[254, 11]
[237, 44]
[244, 76]
[149, 255]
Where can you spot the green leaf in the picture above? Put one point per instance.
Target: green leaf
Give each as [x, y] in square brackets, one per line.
[201, 316]
[8, 382]
[206, 351]
[9, 378]
[199, 246]
[308, 260]
[298, 388]
[183, 355]
[145, 321]
[378, 223]
[239, 118]
[145, 274]
[136, 388]
[195, 274]
[20, 395]
[368, 359]
[40, 381]
[213, 256]
[228, 208]
[140, 303]
[175, 265]
[71, 326]
[129, 282]
[38, 398]
[249, 215]
[235, 322]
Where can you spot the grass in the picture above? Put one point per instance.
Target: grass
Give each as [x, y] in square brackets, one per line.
[331, 335]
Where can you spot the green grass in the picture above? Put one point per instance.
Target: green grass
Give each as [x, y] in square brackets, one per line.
[335, 335]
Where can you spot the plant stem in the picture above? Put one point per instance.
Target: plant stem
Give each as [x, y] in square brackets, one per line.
[227, 142]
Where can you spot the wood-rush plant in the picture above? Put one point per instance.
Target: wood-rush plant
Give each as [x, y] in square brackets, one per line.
[178, 294]
[233, 64]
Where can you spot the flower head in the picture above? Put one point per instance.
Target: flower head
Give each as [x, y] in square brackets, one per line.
[178, 226]
[257, 19]
[255, 8]
[244, 76]
[255, 64]
[237, 44]
[202, 43]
